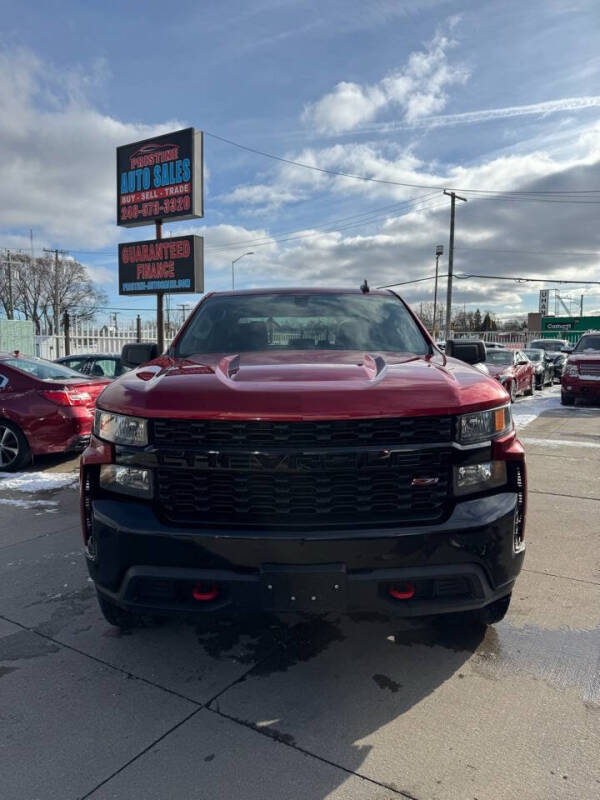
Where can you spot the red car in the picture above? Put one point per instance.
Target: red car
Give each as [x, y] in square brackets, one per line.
[513, 369]
[581, 377]
[304, 450]
[44, 408]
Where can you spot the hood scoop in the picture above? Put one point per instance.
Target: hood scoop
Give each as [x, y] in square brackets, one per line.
[366, 370]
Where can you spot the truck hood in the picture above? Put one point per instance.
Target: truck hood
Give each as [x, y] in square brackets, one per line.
[296, 385]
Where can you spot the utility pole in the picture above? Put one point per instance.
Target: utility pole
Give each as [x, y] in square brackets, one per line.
[453, 197]
[439, 251]
[10, 311]
[56, 296]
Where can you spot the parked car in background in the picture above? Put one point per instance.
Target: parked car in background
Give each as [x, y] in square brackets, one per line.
[555, 348]
[99, 365]
[513, 369]
[44, 408]
[543, 365]
[581, 377]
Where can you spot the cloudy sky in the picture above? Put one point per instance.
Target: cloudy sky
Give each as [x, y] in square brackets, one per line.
[481, 97]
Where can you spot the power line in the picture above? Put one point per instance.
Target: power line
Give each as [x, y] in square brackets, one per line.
[531, 252]
[339, 173]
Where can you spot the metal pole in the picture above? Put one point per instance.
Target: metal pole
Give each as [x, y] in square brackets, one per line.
[439, 250]
[10, 310]
[452, 196]
[160, 332]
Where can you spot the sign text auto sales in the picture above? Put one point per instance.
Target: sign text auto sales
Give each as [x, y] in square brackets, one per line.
[160, 179]
[161, 265]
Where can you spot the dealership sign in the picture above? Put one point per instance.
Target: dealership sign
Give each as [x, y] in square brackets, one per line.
[162, 265]
[160, 179]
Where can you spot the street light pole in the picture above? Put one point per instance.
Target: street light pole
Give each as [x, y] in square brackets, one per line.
[249, 253]
[452, 196]
[439, 251]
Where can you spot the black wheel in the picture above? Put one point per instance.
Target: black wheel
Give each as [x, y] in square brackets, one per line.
[477, 620]
[539, 385]
[117, 616]
[513, 391]
[529, 391]
[566, 399]
[14, 449]
[120, 618]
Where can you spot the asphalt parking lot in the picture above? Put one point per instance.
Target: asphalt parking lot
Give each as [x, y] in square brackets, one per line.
[298, 708]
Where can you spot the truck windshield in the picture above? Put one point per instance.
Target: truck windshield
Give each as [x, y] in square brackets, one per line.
[301, 321]
[588, 344]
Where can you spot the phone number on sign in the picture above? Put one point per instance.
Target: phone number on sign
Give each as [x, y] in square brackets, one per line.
[172, 205]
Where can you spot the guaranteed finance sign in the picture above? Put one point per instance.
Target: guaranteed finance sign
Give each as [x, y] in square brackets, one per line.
[162, 265]
[160, 179]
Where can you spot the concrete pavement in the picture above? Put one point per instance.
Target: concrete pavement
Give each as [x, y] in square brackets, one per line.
[324, 708]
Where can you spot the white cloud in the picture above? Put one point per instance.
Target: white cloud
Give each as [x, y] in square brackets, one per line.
[417, 90]
[59, 152]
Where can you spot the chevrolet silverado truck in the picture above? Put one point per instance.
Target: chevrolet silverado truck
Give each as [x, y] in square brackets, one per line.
[304, 450]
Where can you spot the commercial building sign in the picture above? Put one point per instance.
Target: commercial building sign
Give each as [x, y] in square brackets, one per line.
[544, 300]
[160, 179]
[162, 265]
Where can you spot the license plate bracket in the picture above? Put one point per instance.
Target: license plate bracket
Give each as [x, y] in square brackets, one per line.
[315, 588]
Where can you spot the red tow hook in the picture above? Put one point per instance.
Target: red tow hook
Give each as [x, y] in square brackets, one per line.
[204, 593]
[402, 591]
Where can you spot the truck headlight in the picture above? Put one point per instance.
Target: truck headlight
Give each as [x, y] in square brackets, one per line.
[126, 480]
[572, 371]
[120, 429]
[479, 426]
[473, 478]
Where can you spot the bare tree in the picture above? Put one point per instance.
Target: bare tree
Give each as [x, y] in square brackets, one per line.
[44, 288]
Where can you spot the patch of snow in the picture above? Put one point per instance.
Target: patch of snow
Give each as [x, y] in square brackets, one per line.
[27, 503]
[37, 481]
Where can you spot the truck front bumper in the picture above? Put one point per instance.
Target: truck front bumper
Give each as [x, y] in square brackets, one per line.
[465, 563]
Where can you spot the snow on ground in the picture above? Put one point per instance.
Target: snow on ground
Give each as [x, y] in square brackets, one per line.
[527, 410]
[45, 504]
[37, 481]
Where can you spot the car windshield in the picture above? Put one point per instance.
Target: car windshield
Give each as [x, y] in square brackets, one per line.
[549, 345]
[499, 357]
[44, 370]
[534, 355]
[588, 344]
[302, 321]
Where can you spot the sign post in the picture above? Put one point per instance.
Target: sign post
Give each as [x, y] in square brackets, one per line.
[158, 180]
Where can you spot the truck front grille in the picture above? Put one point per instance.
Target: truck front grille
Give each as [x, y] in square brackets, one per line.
[407, 487]
[321, 433]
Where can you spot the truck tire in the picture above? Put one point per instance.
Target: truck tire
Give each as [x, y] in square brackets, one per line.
[126, 620]
[513, 391]
[479, 619]
[14, 448]
[566, 399]
[117, 616]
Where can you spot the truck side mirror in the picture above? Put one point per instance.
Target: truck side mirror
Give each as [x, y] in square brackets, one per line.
[471, 352]
[133, 355]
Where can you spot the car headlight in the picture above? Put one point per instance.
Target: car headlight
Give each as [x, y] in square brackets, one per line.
[120, 429]
[473, 478]
[572, 370]
[126, 480]
[479, 426]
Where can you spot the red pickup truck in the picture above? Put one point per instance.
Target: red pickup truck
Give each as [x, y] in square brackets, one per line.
[304, 450]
